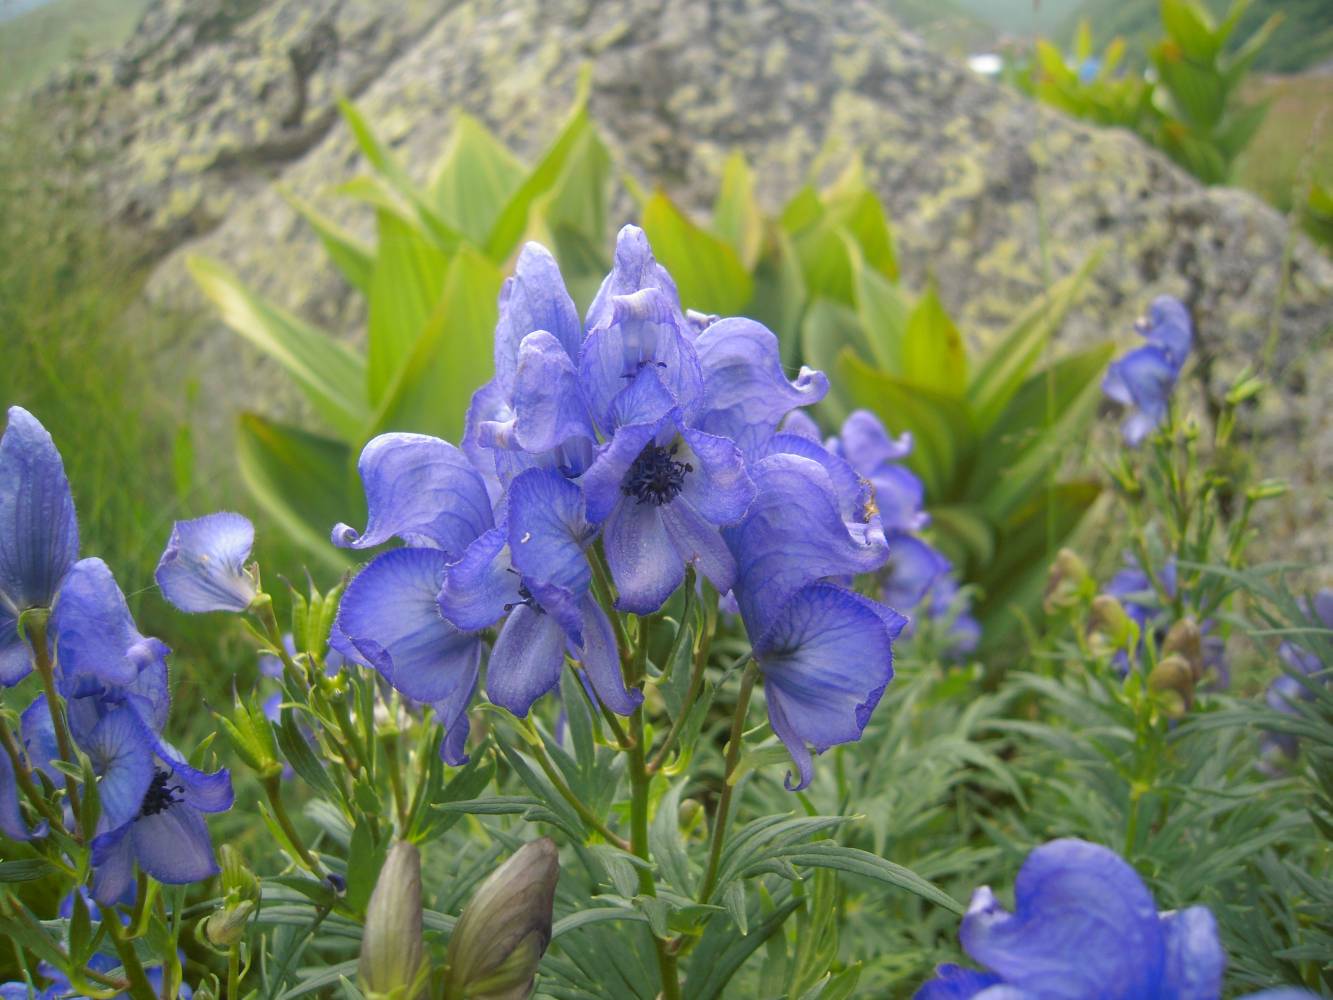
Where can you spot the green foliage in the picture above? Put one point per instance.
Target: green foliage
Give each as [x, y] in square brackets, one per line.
[1190, 107]
[991, 428]
[430, 282]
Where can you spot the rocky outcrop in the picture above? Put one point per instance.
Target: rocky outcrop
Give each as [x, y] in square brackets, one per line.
[219, 104]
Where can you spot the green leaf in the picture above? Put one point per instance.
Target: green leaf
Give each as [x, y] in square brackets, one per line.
[365, 858]
[883, 312]
[303, 481]
[1191, 28]
[828, 330]
[736, 215]
[964, 534]
[1012, 356]
[1028, 442]
[303, 760]
[666, 844]
[865, 865]
[932, 348]
[330, 374]
[475, 179]
[708, 272]
[778, 296]
[451, 358]
[406, 285]
[353, 258]
[26, 870]
[941, 426]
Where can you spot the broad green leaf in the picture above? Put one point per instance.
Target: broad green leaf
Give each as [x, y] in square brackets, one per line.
[883, 311]
[941, 426]
[406, 286]
[303, 481]
[1190, 27]
[932, 348]
[451, 358]
[1011, 585]
[397, 179]
[1048, 413]
[577, 200]
[736, 215]
[708, 273]
[826, 331]
[1083, 41]
[1013, 354]
[475, 179]
[826, 263]
[330, 374]
[853, 205]
[964, 534]
[353, 258]
[778, 296]
[803, 210]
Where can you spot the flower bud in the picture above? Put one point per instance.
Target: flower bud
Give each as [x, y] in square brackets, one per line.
[1068, 580]
[226, 926]
[1174, 677]
[251, 736]
[505, 928]
[1109, 620]
[1185, 640]
[393, 962]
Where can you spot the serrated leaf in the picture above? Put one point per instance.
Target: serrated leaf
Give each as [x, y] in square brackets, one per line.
[331, 374]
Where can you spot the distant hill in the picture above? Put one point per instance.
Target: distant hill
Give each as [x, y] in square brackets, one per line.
[1303, 39]
[41, 37]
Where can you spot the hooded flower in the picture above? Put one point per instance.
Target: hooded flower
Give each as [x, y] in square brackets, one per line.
[825, 652]
[899, 494]
[1145, 377]
[39, 534]
[1083, 925]
[204, 565]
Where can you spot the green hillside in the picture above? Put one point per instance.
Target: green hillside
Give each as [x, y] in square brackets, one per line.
[37, 41]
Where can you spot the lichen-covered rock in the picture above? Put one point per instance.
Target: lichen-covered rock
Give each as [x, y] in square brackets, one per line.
[992, 195]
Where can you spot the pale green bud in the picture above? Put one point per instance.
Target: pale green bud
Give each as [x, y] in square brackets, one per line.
[505, 928]
[1174, 678]
[1185, 640]
[1110, 620]
[1068, 581]
[393, 962]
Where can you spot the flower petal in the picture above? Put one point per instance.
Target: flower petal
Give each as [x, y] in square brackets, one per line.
[113, 865]
[826, 660]
[953, 982]
[15, 656]
[1084, 924]
[95, 637]
[422, 490]
[866, 444]
[601, 661]
[913, 568]
[203, 567]
[1195, 960]
[547, 407]
[124, 759]
[1168, 327]
[548, 529]
[12, 824]
[173, 846]
[39, 738]
[634, 268]
[525, 663]
[389, 613]
[452, 713]
[746, 393]
[602, 483]
[480, 587]
[699, 541]
[718, 486]
[643, 562]
[533, 298]
[39, 534]
[792, 535]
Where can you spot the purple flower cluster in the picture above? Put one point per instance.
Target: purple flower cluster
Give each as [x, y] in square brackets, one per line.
[112, 679]
[1144, 379]
[652, 434]
[1138, 594]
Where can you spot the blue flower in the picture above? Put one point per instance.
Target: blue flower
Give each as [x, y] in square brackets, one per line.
[899, 494]
[12, 823]
[825, 652]
[204, 565]
[1301, 669]
[39, 534]
[1084, 925]
[152, 808]
[1145, 377]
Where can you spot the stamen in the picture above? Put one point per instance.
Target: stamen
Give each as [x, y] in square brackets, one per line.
[160, 795]
[655, 476]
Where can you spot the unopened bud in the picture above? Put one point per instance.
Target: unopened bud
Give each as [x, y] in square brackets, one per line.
[1174, 678]
[1185, 640]
[505, 928]
[1068, 580]
[393, 963]
[1109, 620]
[226, 927]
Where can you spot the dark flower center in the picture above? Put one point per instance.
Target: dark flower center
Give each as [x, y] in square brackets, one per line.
[524, 597]
[655, 476]
[160, 795]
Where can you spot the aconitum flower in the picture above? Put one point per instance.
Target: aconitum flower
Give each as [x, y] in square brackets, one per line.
[12, 824]
[1145, 377]
[825, 652]
[204, 565]
[1083, 925]
[899, 494]
[39, 534]
[152, 805]
[1286, 692]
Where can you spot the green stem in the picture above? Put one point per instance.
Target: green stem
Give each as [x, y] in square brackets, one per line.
[601, 586]
[46, 670]
[139, 987]
[25, 782]
[234, 972]
[396, 779]
[733, 758]
[567, 793]
[273, 789]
